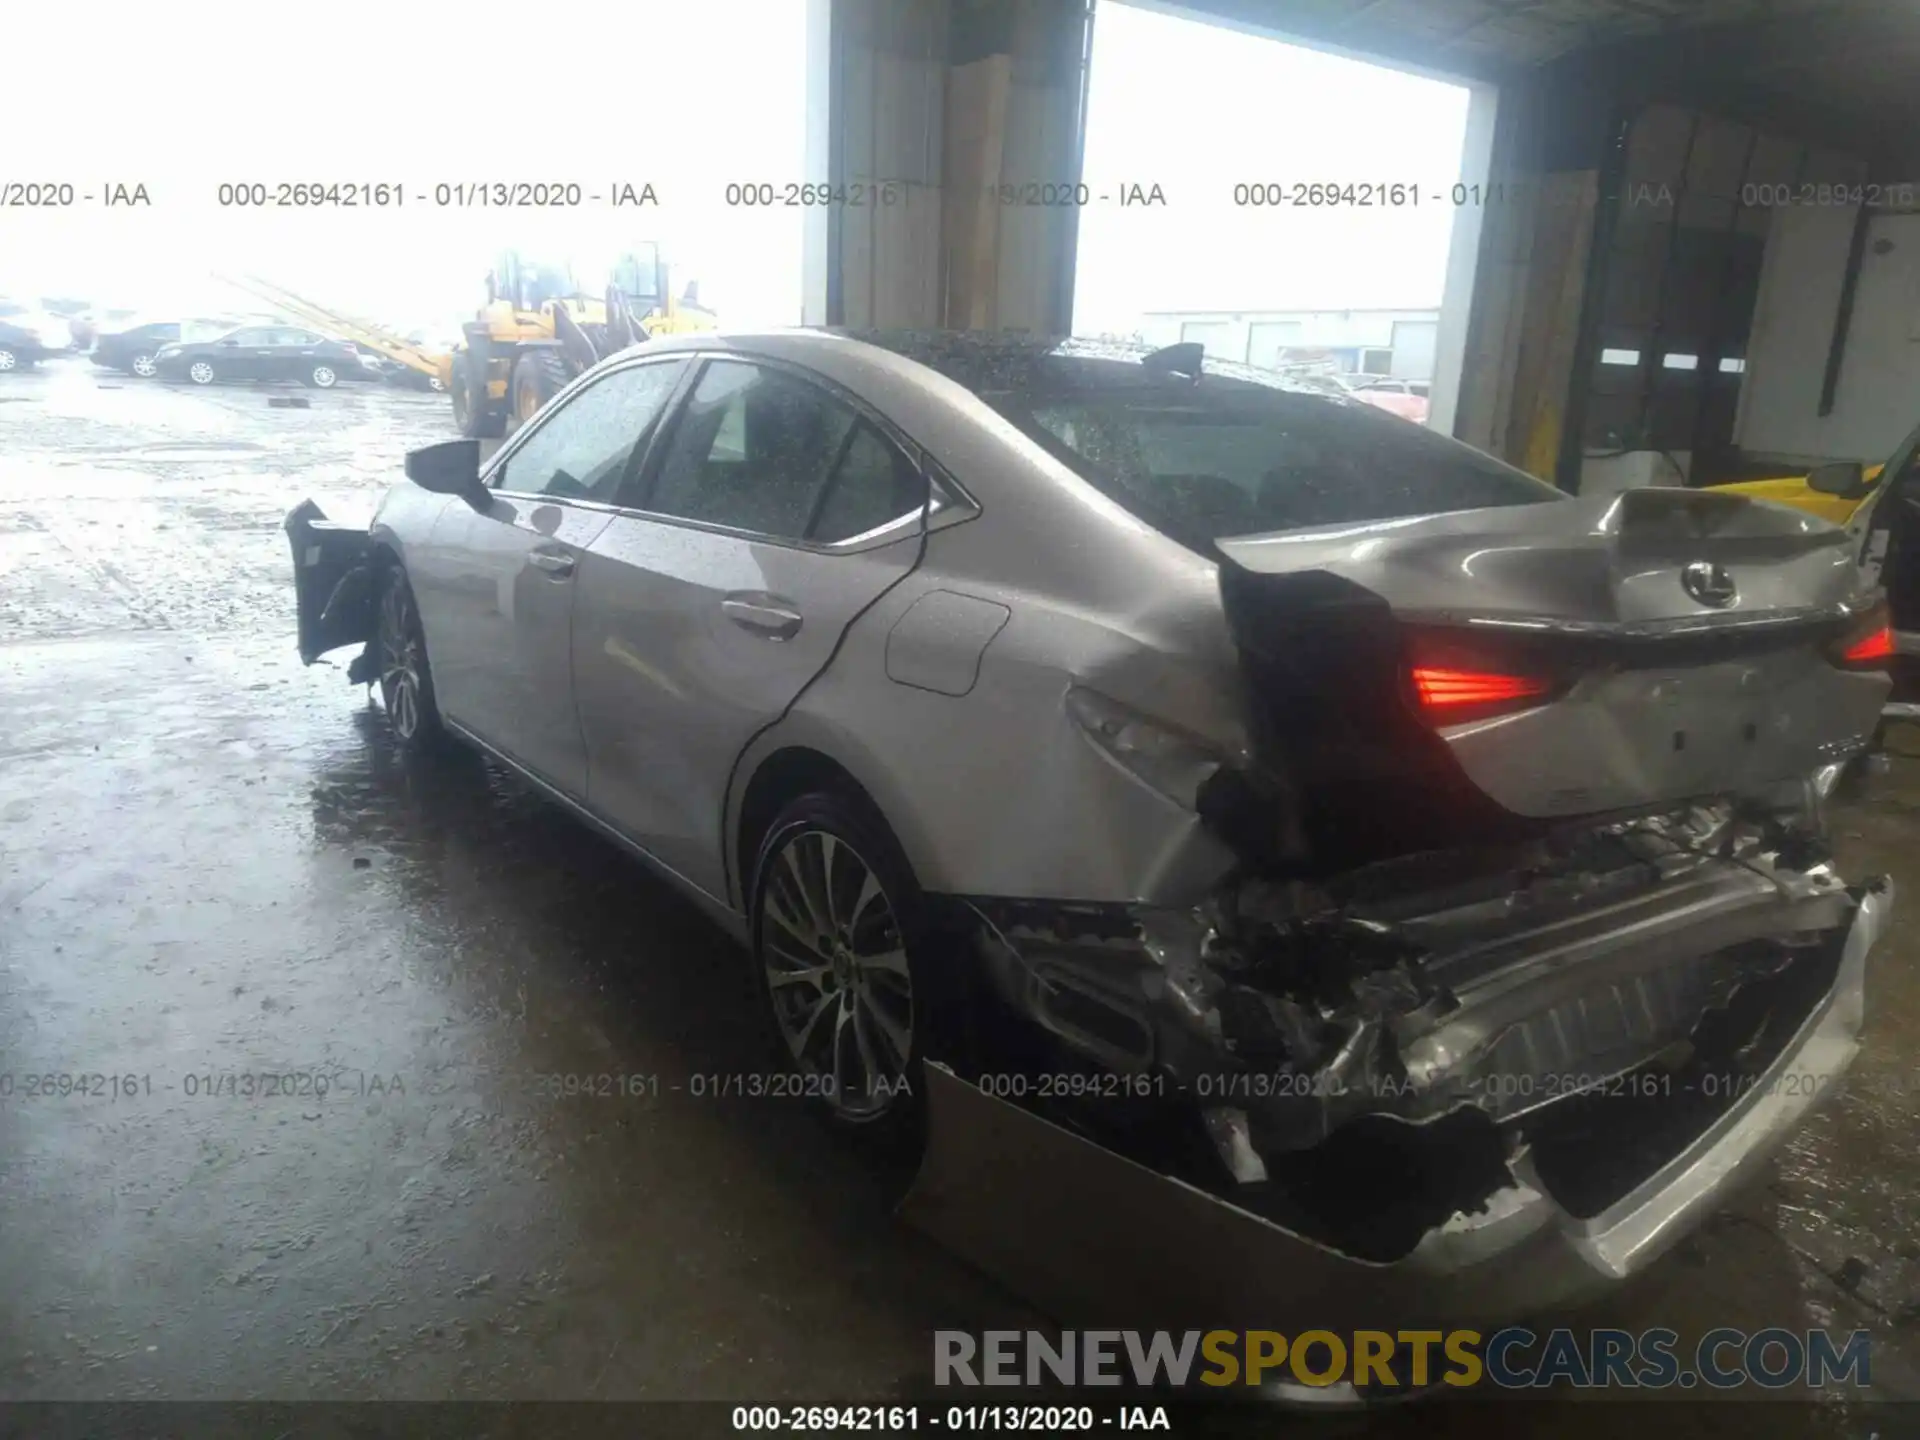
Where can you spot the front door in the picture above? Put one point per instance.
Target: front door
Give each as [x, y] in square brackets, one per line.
[774, 514]
[247, 355]
[496, 588]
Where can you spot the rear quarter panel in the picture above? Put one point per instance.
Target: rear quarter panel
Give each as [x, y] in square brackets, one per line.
[997, 791]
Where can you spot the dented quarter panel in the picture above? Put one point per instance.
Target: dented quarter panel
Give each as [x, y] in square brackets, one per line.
[1082, 826]
[1096, 598]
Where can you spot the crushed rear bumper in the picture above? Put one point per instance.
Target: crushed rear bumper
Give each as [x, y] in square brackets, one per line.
[1095, 1238]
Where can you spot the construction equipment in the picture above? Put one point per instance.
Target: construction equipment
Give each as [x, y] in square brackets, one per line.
[344, 326]
[541, 327]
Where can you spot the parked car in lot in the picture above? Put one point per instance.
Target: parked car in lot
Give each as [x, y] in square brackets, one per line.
[260, 352]
[132, 350]
[1409, 399]
[32, 335]
[1391, 842]
[21, 346]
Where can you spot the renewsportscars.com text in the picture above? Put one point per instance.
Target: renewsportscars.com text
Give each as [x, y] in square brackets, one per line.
[1513, 1358]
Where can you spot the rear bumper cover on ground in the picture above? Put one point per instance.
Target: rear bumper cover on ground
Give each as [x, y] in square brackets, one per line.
[1093, 1238]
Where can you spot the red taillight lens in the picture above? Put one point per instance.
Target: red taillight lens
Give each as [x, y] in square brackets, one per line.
[1869, 651]
[1443, 692]
[1869, 645]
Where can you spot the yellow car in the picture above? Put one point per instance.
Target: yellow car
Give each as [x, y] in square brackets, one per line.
[1833, 492]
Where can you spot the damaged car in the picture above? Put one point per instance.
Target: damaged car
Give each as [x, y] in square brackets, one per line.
[1187, 798]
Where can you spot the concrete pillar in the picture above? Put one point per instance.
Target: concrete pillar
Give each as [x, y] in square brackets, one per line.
[925, 117]
[1463, 257]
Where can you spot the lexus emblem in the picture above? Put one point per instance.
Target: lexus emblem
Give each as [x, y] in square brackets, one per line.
[1709, 583]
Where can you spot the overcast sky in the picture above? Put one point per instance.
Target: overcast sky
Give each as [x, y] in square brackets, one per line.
[185, 96]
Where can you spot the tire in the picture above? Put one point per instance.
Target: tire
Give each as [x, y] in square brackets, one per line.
[141, 364]
[404, 677]
[538, 376]
[322, 377]
[201, 372]
[856, 1002]
[470, 412]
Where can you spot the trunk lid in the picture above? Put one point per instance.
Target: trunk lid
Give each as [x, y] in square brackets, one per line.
[1677, 644]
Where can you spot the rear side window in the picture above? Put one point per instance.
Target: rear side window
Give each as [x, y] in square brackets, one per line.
[873, 485]
[758, 450]
[1217, 459]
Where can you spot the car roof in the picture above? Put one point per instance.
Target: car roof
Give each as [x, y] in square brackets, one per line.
[980, 360]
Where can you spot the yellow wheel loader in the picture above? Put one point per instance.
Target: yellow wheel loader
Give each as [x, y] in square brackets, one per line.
[540, 328]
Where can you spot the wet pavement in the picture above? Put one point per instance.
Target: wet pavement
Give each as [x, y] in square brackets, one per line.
[324, 1001]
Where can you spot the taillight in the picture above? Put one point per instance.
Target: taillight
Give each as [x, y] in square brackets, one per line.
[1445, 693]
[1455, 676]
[1868, 646]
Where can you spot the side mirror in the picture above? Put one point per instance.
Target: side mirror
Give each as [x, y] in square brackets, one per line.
[450, 468]
[1845, 479]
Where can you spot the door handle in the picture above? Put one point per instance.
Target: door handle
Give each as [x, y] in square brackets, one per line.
[764, 615]
[554, 562]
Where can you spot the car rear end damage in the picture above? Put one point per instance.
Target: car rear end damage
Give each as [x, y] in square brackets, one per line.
[1095, 1235]
[1412, 1097]
[1534, 947]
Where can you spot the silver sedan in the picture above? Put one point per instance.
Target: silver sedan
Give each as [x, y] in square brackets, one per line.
[1214, 779]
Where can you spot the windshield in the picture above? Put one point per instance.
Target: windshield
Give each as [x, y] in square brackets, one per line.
[1221, 458]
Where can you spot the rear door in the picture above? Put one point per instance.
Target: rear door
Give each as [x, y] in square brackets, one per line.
[772, 514]
[298, 352]
[496, 589]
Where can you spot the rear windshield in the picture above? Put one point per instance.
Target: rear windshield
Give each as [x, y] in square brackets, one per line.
[1219, 458]
[1241, 451]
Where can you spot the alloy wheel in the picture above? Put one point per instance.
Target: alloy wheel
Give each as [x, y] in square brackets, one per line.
[8, 360]
[323, 376]
[143, 366]
[400, 661]
[200, 372]
[836, 972]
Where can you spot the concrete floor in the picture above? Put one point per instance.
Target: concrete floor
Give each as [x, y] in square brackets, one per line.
[212, 866]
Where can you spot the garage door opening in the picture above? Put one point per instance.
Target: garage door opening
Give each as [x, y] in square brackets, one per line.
[1312, 209]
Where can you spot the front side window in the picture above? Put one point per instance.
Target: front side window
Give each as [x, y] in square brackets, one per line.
[580, 452]
[752, 451]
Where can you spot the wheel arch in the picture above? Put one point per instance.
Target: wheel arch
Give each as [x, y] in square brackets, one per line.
[777, 781]
[785, 763]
